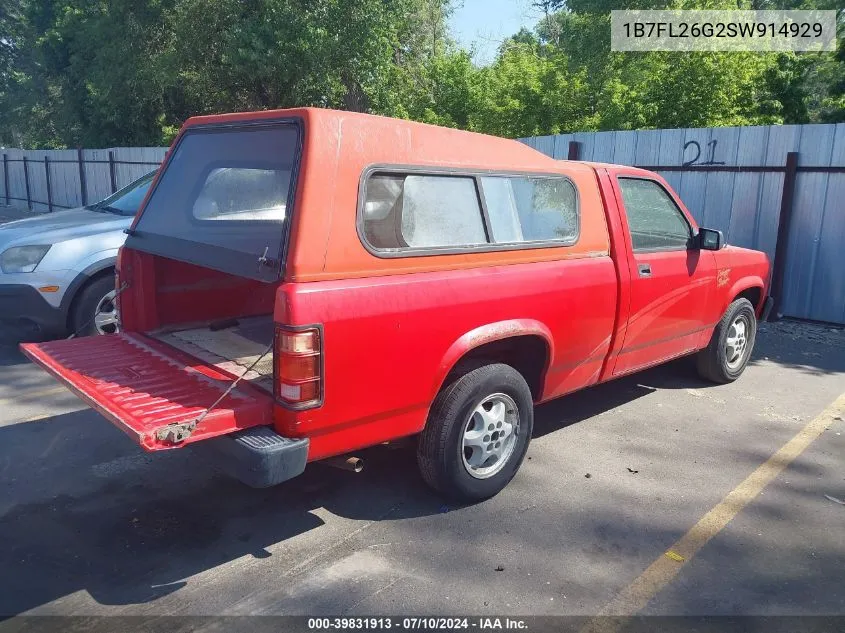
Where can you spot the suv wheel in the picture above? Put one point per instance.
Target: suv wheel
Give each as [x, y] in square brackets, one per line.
[727, 355]
[477, 432]
[95, 311]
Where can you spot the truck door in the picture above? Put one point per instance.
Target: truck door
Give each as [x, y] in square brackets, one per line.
[671, 279]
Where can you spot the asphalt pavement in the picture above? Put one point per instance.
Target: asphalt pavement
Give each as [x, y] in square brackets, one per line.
[615, 476]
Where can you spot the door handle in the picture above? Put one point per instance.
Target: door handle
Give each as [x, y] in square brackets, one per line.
[644, 270]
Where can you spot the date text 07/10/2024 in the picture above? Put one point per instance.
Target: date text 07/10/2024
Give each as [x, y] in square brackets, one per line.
[416, 623]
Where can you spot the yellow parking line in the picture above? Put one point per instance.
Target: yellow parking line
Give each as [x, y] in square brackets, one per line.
[660, 573]
[34, 393]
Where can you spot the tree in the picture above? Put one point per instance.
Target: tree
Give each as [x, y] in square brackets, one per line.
[129, 72]
[665, 89]
[99, 73]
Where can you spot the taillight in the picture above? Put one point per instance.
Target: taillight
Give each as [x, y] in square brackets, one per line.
[299, 367]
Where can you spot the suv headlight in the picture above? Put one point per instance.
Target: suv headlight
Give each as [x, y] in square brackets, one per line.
[22, 259]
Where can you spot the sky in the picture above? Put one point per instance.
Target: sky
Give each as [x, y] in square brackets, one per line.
[485, 23]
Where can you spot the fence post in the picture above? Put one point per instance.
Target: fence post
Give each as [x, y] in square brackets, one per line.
[49, 188]
[574, 150]
[6, 177]
[26, 181]
[83, 187]
[111, 171]
[784, 223]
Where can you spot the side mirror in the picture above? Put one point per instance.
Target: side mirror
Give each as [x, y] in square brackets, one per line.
[710, 239]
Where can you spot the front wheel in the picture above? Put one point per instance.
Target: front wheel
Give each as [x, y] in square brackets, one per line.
[477, 432]
[95, 310]
[727, 355]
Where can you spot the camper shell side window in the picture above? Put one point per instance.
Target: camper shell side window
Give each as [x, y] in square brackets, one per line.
[408, 211]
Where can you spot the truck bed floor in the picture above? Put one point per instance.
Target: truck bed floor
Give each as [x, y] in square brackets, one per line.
[231, 349]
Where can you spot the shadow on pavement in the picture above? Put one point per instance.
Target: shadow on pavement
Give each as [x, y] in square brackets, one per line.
[585, 404]
[811, 348]
[84, 509]
[81, 508]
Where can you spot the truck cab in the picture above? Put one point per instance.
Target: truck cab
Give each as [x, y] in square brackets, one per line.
[301, 284]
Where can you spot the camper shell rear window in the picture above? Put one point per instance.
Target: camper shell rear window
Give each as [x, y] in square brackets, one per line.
[224, 198]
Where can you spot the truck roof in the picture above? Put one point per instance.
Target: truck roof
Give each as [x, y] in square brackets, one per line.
[432, 144]
[472, 149]
[614, 167]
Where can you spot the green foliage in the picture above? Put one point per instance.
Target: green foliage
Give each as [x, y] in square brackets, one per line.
[71, 84]
[129, 72]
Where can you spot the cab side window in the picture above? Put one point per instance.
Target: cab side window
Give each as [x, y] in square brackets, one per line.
[655, 221]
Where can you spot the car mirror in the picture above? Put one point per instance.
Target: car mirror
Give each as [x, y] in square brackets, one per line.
[710, 239]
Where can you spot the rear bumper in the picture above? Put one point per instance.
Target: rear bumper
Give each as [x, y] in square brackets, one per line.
[767, 308]
[22, 303]
[258, 456]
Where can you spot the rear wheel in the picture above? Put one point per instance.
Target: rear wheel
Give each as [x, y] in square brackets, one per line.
[477, 432]
[95, 311]
[727, 355]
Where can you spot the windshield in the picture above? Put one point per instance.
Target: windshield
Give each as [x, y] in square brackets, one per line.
[222, 199]
[127, 200]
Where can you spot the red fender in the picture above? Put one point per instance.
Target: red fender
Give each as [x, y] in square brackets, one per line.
[743, 284]
[487, 334]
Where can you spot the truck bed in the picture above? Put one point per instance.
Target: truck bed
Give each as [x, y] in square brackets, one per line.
[233, 349]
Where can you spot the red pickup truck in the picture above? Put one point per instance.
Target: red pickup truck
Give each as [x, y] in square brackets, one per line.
[303, 283]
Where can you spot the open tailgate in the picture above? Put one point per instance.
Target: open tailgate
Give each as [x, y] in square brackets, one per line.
[154, 392]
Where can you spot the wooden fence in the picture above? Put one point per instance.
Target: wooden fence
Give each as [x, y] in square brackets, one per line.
[61, 179]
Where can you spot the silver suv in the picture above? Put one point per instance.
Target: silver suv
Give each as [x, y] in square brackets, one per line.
[57, 269]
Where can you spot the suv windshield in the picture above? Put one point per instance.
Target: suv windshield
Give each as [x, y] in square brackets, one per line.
[127, 200]
[222, 200]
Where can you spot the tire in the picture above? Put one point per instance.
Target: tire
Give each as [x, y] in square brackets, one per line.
[89, 299]
[718, 362]
[468, 472]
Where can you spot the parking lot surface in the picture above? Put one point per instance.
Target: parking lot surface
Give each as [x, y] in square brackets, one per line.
[615, 477]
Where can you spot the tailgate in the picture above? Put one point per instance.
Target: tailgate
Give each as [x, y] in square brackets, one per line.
[154, 392]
